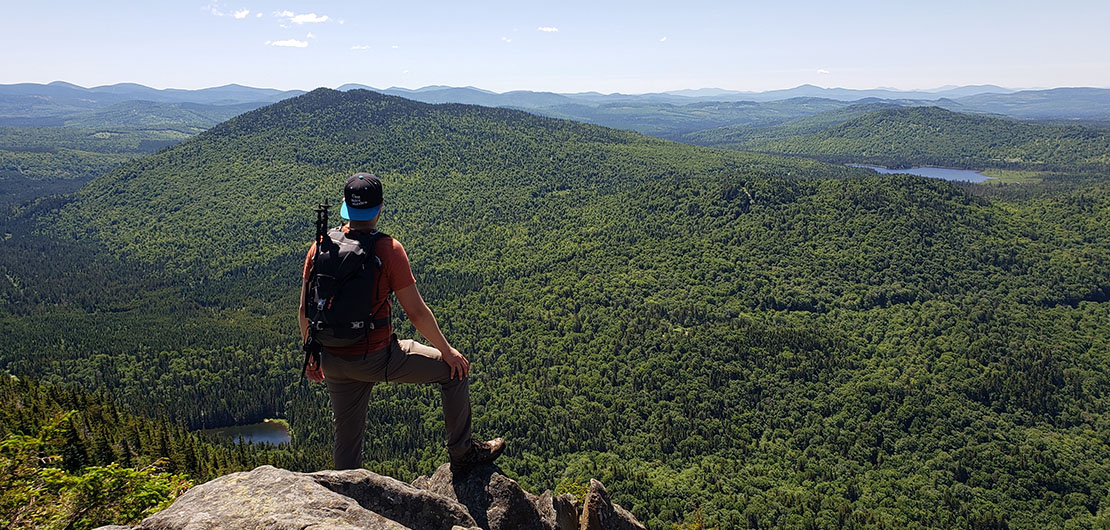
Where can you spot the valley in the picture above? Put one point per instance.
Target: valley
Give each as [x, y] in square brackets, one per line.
[745, 329]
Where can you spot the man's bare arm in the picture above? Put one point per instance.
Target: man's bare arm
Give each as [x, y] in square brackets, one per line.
[301, 319]
[425, 322]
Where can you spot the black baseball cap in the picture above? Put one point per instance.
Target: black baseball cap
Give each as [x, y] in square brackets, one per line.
[362, 197]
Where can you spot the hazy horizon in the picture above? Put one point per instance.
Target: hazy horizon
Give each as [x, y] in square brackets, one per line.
[626, 47]
[685, 89]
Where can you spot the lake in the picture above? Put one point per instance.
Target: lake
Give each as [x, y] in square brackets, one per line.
[933, 172]
[265, 432]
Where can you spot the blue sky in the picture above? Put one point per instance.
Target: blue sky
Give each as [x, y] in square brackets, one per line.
[565, 46]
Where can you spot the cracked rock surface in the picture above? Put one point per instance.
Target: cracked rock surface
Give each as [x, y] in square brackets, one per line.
[480, 498]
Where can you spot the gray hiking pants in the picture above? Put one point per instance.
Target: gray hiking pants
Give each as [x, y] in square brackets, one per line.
[350, 380]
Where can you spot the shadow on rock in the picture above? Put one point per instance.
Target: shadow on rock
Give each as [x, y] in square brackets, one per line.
[494, 500]
[408, 505]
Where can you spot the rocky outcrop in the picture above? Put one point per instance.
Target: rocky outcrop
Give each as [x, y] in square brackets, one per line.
[599, 512]
[481, 498]
[563, 509]
[265, 498]
[495, 501]
[395, 500]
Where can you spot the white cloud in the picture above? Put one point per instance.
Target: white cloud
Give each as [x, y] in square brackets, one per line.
[405, 72]
[506, 39]
[310, 36]
[308, 18]
[548, 29]
[259, 15]
[239, 14]
[822, 71]
[290, 43]
[291, 18]
[395, 46]
[361, 47]
[664, 39]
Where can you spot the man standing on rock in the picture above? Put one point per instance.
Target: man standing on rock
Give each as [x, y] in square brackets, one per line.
[351, 370]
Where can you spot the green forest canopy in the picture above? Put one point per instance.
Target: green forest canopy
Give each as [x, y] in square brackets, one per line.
[900, 137]
[769, 341]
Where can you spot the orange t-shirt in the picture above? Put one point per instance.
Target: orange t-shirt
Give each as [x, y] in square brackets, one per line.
[396, 274]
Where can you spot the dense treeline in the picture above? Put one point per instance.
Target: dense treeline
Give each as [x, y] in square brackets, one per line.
[104, 140]
[38, 488]
[40, 161]
[901, 137]
[188, 118]
[100, 433]
[672, 121]
[737, 136]
[73, 459]
[768, 342]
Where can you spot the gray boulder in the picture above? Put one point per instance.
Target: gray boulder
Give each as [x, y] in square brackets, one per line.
[410, 506]
[495, 501]
[599, 512]
[266, 497]
[421, 482]
[561, 511]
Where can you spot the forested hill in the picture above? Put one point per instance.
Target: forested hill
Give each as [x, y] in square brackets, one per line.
[905, 136]
[769, 342]
[258, 173]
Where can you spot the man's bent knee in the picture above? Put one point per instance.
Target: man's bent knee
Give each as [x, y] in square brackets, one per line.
[411, 347]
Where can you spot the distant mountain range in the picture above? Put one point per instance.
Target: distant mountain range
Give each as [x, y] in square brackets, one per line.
[1050, 104]
[844, 94]
[55, 103]
[663, 114]
[62, 92]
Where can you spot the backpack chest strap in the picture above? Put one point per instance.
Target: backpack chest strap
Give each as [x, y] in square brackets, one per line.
[367, 325]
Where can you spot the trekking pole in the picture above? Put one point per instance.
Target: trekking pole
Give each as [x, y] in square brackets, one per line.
[311, 347]
[321, 222]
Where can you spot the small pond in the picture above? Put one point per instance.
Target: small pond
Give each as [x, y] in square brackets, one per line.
[266, 432]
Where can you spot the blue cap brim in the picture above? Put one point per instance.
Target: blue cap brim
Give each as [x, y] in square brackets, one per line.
[359, 214]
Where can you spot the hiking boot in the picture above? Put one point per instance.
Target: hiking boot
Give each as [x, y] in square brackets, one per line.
[479, 453]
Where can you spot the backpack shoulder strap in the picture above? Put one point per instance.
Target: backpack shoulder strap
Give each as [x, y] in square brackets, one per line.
[369, 243]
